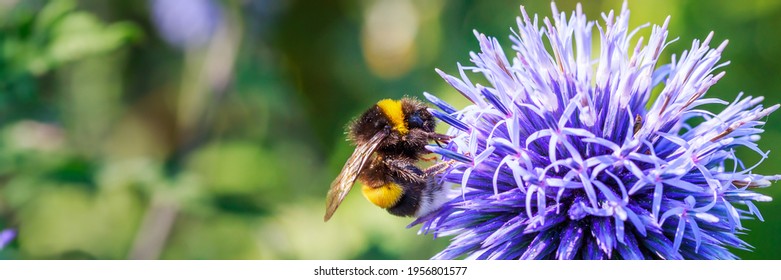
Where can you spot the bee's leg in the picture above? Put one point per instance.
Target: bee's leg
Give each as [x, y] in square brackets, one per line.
[437, 192]
[429, 159]
[406, 170]
[438, 168]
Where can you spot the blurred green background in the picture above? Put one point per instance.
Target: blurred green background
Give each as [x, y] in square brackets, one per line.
[212, 129]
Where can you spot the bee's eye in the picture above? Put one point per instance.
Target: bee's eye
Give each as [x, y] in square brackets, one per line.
[415, 120]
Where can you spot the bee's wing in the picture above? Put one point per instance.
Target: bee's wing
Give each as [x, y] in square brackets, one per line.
[344, 182]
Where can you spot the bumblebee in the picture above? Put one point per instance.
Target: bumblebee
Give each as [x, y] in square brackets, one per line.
[390, 138]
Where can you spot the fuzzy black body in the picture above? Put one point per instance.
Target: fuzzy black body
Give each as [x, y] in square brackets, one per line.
[409, 203]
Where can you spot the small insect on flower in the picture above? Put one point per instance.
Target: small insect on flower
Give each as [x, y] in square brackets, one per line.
[390, 138]
[558, 156]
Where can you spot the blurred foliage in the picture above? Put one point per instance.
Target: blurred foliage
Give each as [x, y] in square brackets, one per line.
[122, 137]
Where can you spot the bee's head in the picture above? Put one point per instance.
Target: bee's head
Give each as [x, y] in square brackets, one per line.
[416, 116]
[407, 122]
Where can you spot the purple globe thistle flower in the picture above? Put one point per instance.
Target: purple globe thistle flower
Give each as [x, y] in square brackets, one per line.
[6, 236]
[559, 158]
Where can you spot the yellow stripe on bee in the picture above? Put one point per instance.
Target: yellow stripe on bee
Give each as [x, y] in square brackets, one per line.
[392, 109]
[385, 196]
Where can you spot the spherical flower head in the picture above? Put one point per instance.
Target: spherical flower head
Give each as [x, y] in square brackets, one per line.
[561, 155]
